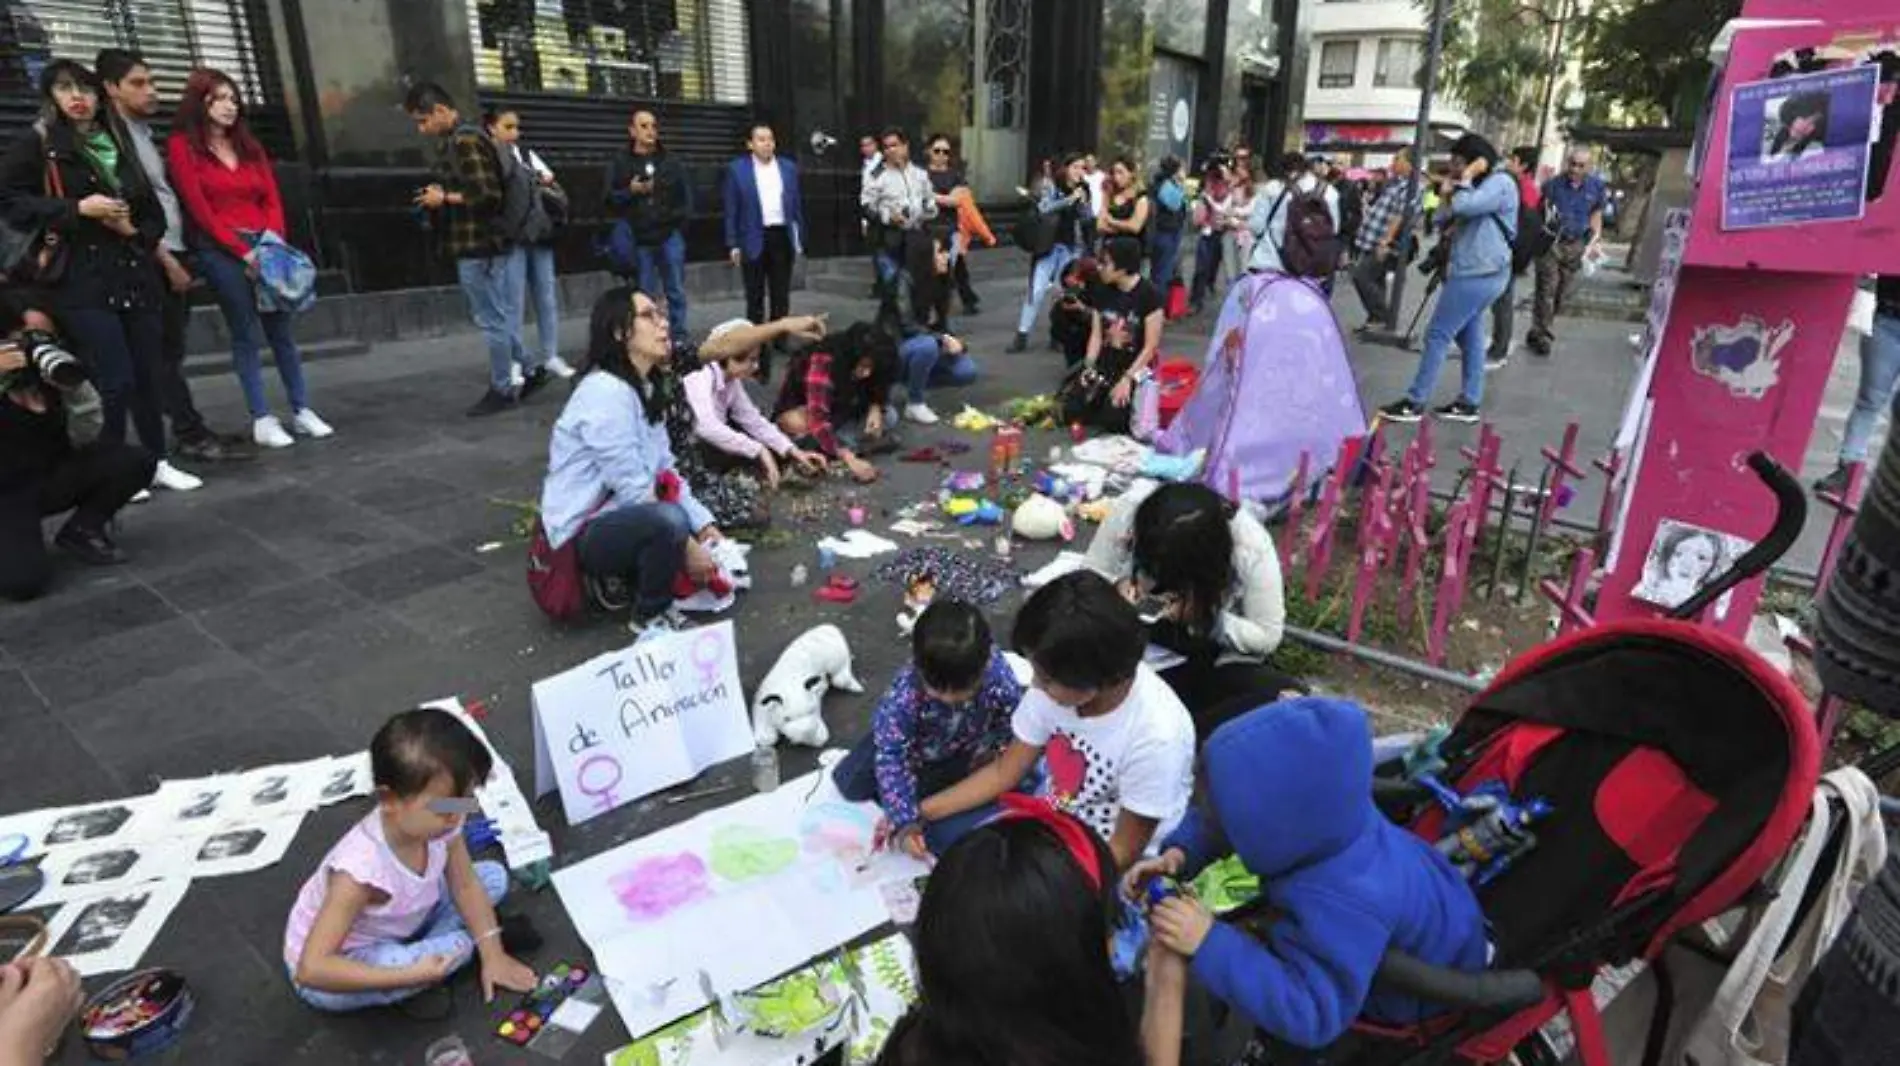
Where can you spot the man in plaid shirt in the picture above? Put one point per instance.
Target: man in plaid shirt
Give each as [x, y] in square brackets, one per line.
[1378, 245]
[465, 205]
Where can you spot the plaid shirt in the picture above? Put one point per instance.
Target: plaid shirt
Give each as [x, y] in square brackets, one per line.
[465, 163]
[1385, 211]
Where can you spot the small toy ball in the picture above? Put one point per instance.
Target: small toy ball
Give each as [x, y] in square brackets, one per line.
[1041, 518]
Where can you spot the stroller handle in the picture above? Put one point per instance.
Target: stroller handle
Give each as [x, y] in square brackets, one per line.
[1505, 990]
[1791, 513]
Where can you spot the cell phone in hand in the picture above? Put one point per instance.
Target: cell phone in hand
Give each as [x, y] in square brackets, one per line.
[1152, 608]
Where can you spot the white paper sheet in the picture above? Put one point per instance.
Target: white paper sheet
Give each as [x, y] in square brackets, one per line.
[522, 841]
[242, 848]
[346, 777]
[87, 870]
[740, 894]
[858, 544]
[111, 932]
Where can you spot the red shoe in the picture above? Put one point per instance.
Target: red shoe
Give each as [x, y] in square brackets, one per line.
[838, 589]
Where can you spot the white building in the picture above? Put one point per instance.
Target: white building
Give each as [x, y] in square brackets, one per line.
[1361, 81]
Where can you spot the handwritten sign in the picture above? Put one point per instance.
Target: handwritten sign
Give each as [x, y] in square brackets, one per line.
[629, 723]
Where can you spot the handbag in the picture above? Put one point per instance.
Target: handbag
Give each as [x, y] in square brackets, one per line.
[36, 256]
[286, 278]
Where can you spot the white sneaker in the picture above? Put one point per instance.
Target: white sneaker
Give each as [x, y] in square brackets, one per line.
[269, 433]
[921, 414]
[307, 423]
[170, 477]
[515, 377]
[559, 368]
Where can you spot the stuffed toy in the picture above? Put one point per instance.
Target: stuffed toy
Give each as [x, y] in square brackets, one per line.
[786, 701]
[1040, 518]
[666, 489]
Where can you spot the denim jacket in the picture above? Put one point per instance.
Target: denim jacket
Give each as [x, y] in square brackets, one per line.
[1479, 246]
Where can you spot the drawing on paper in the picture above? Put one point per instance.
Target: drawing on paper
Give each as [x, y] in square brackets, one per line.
[201, 806]
[101, 924]
[341, 784]
[103, 866]
[840, 830]
[232, 845]
[1682, 559]
[743, 852]
[89, 825]
[655, 887]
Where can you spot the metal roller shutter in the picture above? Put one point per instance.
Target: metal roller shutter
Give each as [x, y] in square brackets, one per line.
[694, 51]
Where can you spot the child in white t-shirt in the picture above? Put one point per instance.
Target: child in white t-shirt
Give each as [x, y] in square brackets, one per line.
[1117, 743]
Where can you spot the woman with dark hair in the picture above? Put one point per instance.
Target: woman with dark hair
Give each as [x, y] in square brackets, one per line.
[229, 192]
[834, 397]
[1012, 944]
[543, 291]
[1803, 132]
[1170, 210]
[1481, 197]
[1210, 210]
[1063, 205]
[74, 172]
[1128, 207]
[1208, 581]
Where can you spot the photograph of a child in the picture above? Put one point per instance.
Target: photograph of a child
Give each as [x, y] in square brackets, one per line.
[104, 866]
[88, 825]
[232, 845]
[101, 924]
[1796, 127]
[1682, 559]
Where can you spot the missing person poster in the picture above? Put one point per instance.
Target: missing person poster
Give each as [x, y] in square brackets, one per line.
[1798, 149]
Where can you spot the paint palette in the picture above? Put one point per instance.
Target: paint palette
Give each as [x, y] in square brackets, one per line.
[551, 1019]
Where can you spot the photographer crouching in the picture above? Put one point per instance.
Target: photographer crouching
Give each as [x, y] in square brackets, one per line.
[52, 460]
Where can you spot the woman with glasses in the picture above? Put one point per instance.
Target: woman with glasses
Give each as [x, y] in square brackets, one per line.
[948, 183]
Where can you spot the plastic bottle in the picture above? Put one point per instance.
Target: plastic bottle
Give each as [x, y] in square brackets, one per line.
[448, 1051]
[765, 768]
[799, 576]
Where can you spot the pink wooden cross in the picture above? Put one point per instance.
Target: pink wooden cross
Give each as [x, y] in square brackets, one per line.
[1568, 597]
[1374, 525]
[1563, 464]
[1846, 505]
[1296, 510]
[1451, 582]
[1319, 539]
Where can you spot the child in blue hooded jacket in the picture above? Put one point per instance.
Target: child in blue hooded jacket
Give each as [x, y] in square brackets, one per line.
[1289, 790]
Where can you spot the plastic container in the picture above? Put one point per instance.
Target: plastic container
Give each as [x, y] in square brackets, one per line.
[765, 768]
[1177, 378]
[448, 1051]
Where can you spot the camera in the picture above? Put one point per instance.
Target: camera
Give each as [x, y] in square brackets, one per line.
[51, 363]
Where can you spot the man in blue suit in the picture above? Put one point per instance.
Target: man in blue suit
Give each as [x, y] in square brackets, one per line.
[765, 223]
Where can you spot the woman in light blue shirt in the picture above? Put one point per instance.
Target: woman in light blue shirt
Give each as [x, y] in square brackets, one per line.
[1481, 199]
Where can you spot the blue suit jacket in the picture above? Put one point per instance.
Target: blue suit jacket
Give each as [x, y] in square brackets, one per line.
[745, 219]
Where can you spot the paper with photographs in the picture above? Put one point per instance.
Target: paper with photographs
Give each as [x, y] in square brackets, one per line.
[110, 932]
[88, 870]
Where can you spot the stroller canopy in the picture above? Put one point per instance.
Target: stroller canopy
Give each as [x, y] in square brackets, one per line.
[1276, 383]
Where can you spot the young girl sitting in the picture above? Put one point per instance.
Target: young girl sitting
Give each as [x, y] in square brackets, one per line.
[729, 430]
[944, 715]
[397, 906]
[834, 397]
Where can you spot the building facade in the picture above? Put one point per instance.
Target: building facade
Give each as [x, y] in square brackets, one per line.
[1014, 81]
[1362, 93]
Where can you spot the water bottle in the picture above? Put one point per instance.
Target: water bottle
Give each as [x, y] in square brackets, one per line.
[765, 768]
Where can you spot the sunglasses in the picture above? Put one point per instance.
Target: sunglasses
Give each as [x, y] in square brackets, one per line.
[940, 151]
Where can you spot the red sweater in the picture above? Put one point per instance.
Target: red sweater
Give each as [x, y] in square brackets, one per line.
[221, 200]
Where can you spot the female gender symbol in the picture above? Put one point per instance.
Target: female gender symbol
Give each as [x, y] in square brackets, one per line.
[602, 791]
[708, 653]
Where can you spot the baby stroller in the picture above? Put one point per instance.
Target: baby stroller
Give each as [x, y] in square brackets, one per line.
[1677, 767]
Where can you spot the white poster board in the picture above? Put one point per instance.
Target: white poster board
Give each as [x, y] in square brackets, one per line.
[629, 723]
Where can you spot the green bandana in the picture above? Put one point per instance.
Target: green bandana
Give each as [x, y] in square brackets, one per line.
[103, 153]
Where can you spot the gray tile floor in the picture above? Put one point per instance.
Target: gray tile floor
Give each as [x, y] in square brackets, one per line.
[287, 608]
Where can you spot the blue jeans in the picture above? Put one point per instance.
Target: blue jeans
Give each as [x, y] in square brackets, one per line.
[123, 351]
[1164, 254]
[856, 778]
[1045, 275]
[1460, 315]
[493, 288]
[924, 365]
[444, 933]
[1879, 373]
[237, 298]
[643, 544]
[663, 266]
[544, 290]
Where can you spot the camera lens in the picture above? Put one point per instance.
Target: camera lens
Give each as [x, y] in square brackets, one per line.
[55, 365]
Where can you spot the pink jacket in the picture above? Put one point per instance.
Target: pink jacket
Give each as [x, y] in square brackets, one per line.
[719, 404]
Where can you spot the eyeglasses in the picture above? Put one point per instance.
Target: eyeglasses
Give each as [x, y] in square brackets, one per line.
[940, 151]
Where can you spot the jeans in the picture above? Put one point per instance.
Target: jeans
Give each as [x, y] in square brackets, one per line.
[1462, 304]
[174, 393]
[923, 365]
[1879, 373]
[1503, 320]
[444, 933]
[856, 778]
[643, 544]
[545, 290]
[123, 350]
[493, 288]
[237, 298]
[663, 267]
[1207, 255]
[1372, 280]
[1043, 276]
[1164, 255]
[93, 483]
[769, 274]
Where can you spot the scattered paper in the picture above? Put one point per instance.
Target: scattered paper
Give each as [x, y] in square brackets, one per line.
[858, 544]
[111, 932]
[1063, 564]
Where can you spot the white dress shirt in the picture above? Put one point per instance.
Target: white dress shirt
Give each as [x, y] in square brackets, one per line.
[771, 191]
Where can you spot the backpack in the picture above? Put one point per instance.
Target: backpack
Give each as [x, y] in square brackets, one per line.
[523, 218]
[1311, 246]
[1536, 233]
[1035, 232]
[1166, 221]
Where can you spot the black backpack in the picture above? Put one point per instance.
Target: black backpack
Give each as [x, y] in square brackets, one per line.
[1536, 233]
[1311, 246]
[523, 218]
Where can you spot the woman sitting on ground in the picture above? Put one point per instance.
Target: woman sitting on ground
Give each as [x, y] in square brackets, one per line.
[720, 439]
[928, 354]
[1208, 578]
[1012, 944]
[834, 398]
[613, 485]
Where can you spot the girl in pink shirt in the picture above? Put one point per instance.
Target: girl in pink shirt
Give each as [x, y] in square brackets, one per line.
[397, 905]
[728, 426]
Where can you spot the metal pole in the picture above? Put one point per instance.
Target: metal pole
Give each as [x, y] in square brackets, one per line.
[1328, 642]
[1550, 75]
[1421, 145]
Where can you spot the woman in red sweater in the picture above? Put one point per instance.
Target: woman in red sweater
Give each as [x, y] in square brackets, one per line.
[229, 192]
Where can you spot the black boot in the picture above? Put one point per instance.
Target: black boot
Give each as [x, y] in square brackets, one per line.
[1020, 344]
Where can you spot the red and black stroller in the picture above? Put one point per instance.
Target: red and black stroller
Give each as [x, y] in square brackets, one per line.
[1678, 767]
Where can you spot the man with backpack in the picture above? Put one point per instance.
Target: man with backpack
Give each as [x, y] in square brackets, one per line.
[482, 220]
[1295, 223]
[1575, 199]
[1533, 240]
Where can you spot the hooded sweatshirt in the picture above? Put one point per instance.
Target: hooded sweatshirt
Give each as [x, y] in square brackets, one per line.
[1291, 786]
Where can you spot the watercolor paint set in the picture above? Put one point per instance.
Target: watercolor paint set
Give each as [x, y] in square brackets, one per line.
[550, 1020]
